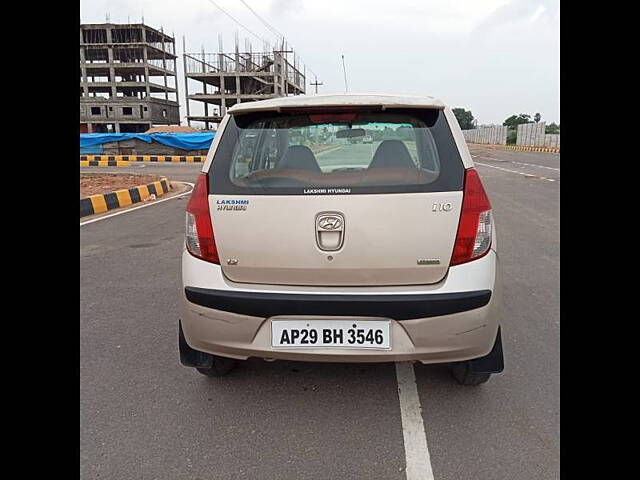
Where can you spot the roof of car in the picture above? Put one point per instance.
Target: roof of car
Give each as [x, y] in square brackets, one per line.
[336, 100]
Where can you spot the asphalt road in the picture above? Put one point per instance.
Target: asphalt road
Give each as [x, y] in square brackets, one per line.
[185, 172]
[143, 415]
[352, 155]
[349, 155]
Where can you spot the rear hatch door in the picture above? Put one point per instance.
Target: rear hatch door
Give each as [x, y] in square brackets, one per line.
[295, 202]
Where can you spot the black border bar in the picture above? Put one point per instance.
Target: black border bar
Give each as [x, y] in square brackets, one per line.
[397, 307]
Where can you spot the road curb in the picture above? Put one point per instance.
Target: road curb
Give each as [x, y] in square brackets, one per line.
[103, 163]
[144, 158]
[522, 148]
[121, 198]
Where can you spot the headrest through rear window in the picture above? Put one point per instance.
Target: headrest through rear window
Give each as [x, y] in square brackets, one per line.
[299, 157]
[392, 154]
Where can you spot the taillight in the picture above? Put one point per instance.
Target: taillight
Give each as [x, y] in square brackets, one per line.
[199, 232]
[473, 239]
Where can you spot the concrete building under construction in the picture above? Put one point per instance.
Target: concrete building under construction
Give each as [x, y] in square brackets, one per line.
[217, 81]
[127, 78]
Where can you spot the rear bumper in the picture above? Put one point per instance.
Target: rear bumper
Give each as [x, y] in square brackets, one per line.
[454, 320]
[397, 307]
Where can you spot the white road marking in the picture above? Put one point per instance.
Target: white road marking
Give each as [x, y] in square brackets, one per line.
[525, 174]
[155, 202]
[519, 163]
[416, 451]
[534, 165]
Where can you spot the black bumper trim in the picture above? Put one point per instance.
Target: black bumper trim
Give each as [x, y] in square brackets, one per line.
[397, 307]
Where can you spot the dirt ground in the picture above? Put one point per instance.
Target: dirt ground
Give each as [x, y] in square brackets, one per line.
[92, 184]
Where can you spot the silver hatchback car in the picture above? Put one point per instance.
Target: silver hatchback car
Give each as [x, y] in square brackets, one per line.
[305, 243]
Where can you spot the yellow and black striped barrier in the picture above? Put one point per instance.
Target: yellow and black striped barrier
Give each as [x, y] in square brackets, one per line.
[143, 158]
[524, 148]
[121, 198]
[103, 163]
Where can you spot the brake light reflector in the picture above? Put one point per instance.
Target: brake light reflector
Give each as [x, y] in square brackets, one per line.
[473, 239]
[333, 117]
[199, 232]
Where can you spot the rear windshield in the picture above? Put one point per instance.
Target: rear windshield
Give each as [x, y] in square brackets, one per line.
[337, 153]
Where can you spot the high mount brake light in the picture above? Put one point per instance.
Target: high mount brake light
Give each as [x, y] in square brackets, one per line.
[333, 117]
[473, 239]
[199, 236]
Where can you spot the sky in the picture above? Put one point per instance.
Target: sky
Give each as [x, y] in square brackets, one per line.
[493, 57]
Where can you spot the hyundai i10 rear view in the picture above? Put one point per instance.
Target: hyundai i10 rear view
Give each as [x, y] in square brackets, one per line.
[341, 228]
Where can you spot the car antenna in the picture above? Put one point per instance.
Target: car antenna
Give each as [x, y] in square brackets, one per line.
[344, 70]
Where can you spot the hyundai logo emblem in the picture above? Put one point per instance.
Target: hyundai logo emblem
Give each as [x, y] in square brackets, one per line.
[330, 223]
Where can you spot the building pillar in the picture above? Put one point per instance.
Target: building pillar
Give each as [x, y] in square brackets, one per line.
[166, 92]
[223, 101]
[175, 75]
[146, 64]
[83, 70]
[112, 73]
[204, 85]
[146, 73]
[186, 79]
[206, 108]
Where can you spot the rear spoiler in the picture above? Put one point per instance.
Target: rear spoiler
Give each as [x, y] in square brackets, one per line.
[316, 107]
[332, 108]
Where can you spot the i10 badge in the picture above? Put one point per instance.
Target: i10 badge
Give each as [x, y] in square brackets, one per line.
[441, 207]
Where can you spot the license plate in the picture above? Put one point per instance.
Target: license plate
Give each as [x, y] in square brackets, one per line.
[331, 333]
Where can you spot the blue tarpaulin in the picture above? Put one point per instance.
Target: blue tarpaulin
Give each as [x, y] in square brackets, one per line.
[92, 150]
[183, 141]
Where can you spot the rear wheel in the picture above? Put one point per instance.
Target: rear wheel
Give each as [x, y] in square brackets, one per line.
[461, 371]
[220, 366]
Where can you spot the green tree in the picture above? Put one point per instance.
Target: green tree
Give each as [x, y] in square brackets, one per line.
[514, 120]
[552, 128]
[465, 118]
[537, 117]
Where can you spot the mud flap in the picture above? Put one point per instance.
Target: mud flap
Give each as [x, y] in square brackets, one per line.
[491, 363]
[190, 357]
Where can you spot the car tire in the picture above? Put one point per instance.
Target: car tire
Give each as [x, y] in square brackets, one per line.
[461, 371]
[221, 366]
